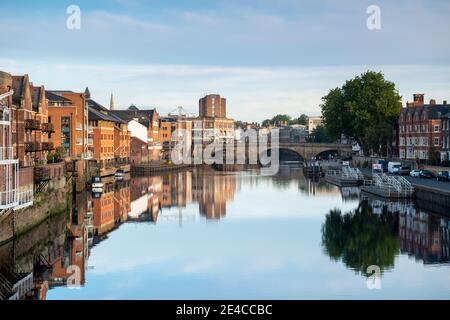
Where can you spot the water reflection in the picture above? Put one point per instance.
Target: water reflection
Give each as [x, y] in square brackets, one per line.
[361, 238]
[378, 231]
[350, 230]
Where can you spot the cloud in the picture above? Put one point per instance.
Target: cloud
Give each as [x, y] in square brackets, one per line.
[253, 93]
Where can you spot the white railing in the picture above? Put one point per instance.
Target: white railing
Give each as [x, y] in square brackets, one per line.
[24, 198]
[6, 153]
[8, 199]
[396, 184]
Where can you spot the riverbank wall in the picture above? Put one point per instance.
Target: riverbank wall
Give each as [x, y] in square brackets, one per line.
[151, 168]
[46, 205]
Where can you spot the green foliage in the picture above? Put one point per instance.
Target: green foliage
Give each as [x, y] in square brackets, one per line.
[365, 109]
[303, 120]
[57, 156]
[361, 238]
[319, 135]
[238, 124]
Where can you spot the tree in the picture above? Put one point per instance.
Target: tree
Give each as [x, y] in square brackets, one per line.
[361, 238]
[239, 124]
[365, 109]
[303, 120]
[319, 134]
[277, 119]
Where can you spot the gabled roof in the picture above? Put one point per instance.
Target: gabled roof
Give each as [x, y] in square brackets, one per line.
[54, 97]
[37, 93]
[94, 114]
[433, 111]
[107, 114]
[19, 84]
[144, 117]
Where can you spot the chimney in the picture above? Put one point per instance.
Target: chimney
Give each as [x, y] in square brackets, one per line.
[418, 98]
[445, 102]
[432, 102]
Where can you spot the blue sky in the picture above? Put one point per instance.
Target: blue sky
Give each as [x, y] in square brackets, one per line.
[264, 56]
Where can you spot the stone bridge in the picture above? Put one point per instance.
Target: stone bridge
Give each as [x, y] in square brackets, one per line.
[309, 150]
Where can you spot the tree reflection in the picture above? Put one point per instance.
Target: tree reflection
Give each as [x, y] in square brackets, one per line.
[360, 238]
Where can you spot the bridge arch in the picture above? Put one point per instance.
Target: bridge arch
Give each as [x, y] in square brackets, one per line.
[310, 150]
[287, 154]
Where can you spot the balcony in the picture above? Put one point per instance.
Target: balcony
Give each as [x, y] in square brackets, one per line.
[5, 117]
[48, 127]
[41, 174]
[46, 146]
[32, 146]
[24, 198]
[32, 124]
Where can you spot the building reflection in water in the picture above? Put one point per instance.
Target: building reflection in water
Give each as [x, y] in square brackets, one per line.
[375, 233]
[151, 196]
[424, 235]
[378, 231]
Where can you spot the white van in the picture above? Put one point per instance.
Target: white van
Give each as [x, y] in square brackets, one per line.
[394, 167]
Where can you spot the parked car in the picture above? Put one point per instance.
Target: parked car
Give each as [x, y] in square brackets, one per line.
[415, 173]
[404, 171]
[443, 176]
[427, 174]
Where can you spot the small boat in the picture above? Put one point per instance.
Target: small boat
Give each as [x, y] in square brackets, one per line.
[97, 193]
[96, 183]
[119, 173]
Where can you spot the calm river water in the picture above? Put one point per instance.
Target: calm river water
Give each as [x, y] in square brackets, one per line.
[210, 235]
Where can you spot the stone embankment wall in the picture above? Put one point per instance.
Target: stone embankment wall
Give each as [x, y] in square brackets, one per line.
[46, 205]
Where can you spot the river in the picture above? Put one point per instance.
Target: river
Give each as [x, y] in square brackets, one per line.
[202, 234]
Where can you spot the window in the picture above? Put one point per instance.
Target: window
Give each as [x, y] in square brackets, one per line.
[436, 128]
[436, 141]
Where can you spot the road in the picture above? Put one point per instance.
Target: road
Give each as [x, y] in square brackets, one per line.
[432, 183]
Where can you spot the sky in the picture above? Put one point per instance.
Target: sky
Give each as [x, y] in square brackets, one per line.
[264, 56]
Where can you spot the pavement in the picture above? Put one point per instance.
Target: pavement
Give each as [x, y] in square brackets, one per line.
[432, 183]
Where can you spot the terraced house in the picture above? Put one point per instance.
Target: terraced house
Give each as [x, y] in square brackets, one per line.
[108, 138]
[420, 129]
[149, 119]
[67, 114]
[445, 151]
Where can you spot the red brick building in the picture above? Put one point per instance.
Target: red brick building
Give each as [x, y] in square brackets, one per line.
[420, 129]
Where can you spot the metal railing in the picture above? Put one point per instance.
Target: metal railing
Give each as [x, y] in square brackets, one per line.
[393, 184]
[32, 146]
[48, 127]
[32, 124]
[6, 153]
[8, 199]
[24, 198]
[47, 146]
